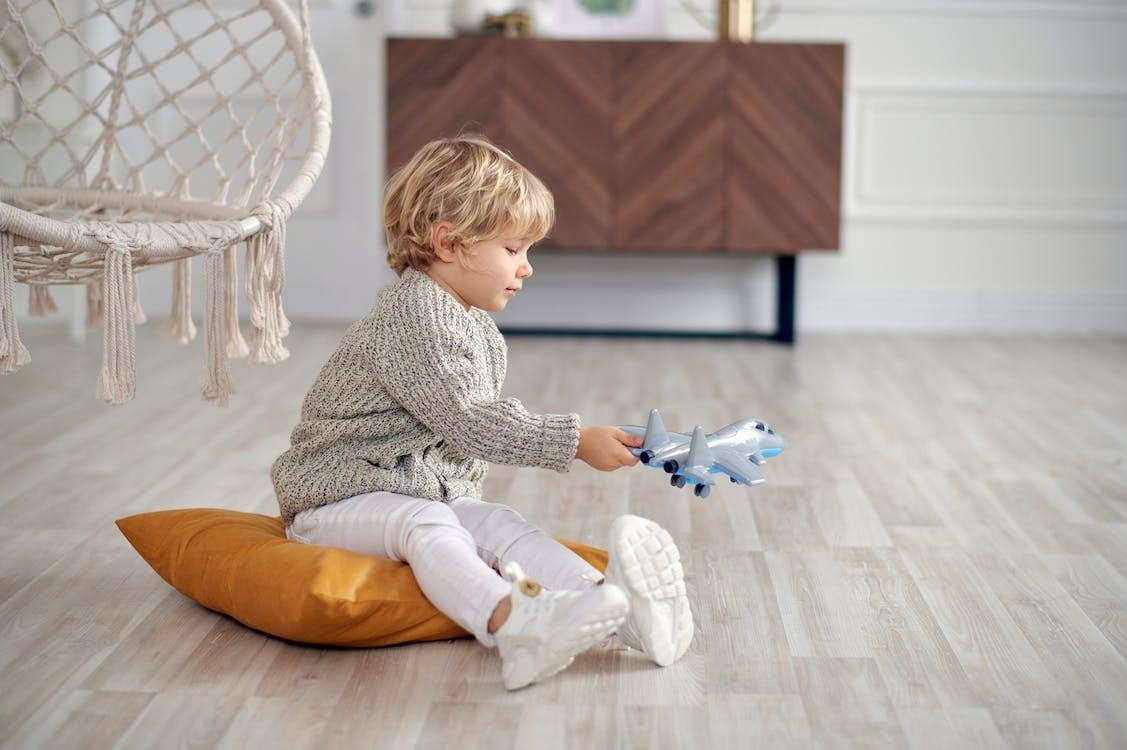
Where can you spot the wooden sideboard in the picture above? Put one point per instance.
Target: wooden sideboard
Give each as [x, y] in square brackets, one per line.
[647, 146]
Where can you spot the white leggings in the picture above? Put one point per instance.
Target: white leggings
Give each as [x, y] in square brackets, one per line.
[455, 549]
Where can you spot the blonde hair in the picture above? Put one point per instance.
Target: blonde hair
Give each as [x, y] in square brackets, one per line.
[482, 191]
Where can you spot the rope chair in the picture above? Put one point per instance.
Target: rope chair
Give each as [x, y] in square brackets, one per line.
[145, 132]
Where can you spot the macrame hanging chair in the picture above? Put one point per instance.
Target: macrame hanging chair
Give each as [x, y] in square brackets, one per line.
[135, 133]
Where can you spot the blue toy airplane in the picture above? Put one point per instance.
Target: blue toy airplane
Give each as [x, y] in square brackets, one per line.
[737, 451]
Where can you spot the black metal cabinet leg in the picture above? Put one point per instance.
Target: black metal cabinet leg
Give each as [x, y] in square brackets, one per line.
[786, 266]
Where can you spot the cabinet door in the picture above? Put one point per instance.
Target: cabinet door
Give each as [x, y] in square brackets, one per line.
[784, 175]
[670, 133]
[556, 104]
[440, 88]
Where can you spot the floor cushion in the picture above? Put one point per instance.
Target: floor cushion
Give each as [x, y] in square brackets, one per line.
[242, 565]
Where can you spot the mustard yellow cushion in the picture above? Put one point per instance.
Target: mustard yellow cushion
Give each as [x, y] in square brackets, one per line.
[242, 565]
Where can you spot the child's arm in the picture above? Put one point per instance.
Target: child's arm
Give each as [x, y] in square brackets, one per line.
[433, 377]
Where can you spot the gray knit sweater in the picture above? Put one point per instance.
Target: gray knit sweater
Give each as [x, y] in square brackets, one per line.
[410, 403]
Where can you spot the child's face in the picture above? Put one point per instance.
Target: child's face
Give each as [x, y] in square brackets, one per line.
[490, 273]
[494, 272]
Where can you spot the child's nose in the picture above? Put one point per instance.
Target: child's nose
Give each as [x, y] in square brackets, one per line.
[526, 270]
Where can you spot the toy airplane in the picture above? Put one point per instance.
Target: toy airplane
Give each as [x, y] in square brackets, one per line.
[737, 450]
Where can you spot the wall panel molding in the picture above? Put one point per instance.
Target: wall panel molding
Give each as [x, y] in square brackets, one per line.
[1021, 102]
[916, 87]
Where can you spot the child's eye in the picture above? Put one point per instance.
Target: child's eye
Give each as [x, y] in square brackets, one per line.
[512, 251]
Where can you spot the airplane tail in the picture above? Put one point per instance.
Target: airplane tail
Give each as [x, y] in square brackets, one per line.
[655, 432]
[699, 453]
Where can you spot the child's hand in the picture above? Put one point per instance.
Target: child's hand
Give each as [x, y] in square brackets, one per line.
[605, 448]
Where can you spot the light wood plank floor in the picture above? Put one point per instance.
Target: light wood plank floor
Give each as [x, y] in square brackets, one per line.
[939, 558]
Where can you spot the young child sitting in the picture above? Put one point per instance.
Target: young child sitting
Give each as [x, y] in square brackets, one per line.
[397, 430]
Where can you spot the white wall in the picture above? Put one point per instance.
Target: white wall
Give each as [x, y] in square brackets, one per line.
[984, 185]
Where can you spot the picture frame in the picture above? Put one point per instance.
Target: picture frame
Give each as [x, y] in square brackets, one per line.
[606, 19]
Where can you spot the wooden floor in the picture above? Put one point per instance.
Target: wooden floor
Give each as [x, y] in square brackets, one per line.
[939, 558]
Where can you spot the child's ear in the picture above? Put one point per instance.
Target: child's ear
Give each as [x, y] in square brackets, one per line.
[445, 247]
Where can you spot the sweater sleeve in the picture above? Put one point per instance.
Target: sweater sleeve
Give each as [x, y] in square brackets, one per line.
[426, 363]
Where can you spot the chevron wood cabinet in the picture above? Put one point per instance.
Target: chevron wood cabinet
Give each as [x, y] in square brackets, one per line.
[647, 146]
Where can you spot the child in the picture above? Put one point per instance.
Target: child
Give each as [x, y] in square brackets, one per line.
[395, 433]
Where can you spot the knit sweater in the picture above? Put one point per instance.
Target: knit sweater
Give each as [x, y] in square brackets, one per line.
[410, 403]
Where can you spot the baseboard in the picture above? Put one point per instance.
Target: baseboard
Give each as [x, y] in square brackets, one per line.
[855, 310]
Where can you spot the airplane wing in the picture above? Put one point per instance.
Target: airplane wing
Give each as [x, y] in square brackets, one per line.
[738, 467]
[639, 431]
[633, 429]
[700, 477]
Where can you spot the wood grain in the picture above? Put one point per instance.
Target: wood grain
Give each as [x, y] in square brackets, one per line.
[647, 146]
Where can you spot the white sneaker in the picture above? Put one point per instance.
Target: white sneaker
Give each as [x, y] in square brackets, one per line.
[645, 563]
[546, 629]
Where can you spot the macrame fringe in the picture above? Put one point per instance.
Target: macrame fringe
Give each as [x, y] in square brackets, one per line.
[13, 354]
[179, 325]
[266, 276]
[236, 344]
[40, 303]
[137, 313]
[118, 381]
[217, 383]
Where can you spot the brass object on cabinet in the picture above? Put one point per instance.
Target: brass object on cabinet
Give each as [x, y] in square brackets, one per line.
[737, 20]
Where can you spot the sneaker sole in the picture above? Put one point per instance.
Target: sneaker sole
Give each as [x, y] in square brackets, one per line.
[649, 569]
[553, 660]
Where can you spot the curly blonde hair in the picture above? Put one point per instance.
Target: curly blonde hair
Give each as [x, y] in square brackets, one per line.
[468, 181]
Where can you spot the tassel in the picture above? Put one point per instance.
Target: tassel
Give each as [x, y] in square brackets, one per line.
[217, 383]
[265, 280]
[137, 313]
[40, 303]
[13, 354]
[95, 316]
[236, 344]
[280, 282]
[179, 325]
[118, 381]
